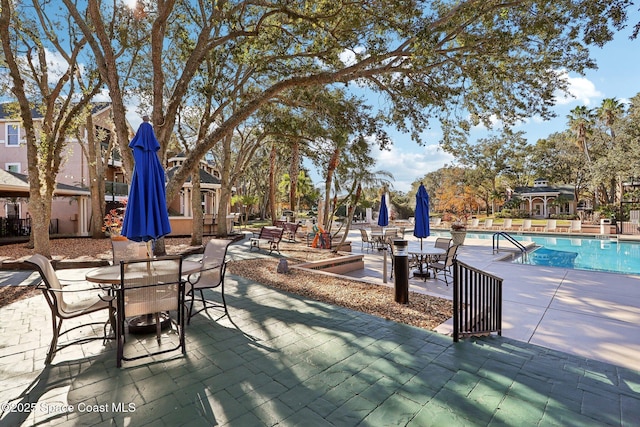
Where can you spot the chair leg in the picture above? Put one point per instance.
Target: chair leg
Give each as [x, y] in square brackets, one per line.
[158, 327]
[205, 305]
[193, 295]
[54, 340]
[224, 301]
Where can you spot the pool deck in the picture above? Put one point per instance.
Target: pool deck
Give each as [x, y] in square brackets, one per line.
[568, 356]
[587, 313]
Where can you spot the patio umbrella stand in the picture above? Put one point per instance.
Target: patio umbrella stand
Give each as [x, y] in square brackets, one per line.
[146, 218]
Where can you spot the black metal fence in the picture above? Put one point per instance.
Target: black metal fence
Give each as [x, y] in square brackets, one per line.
[14, 227]
[477, 302]
[21, 227]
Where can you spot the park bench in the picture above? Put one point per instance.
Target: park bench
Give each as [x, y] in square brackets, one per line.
[268, 236]
[289, 230]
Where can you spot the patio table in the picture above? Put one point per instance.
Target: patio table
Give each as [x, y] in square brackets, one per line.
[426, 255]
[110, 275]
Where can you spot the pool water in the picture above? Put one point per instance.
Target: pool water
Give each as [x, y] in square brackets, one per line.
[581, 253]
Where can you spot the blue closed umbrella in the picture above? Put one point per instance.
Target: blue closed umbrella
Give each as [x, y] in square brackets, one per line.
[146, 217]
[421, 224]
[383, 215]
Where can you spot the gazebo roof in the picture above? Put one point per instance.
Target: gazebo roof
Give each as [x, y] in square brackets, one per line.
[14, 184]
[557, 190]
[206, 179]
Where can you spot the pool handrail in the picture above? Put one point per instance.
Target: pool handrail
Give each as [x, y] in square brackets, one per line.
[507, 236]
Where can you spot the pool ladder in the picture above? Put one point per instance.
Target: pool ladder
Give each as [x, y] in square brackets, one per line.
[508, 237]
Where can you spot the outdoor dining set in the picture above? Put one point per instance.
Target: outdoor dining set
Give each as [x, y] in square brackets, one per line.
[139, 294]
[437, 258]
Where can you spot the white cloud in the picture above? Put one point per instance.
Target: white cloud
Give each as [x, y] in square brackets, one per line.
[348, 57]
[581, 90]
[408, 165]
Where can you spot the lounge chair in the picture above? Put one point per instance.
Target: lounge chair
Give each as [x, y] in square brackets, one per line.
[575, 226]
[551, 226]
[56, 293]
[526, 225]
[507, 224]
[488, 224]
[436, 222]
[475, 223]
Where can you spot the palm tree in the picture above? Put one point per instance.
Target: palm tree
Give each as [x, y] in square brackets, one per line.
[304, 186]
[581, 123]
[609, 112]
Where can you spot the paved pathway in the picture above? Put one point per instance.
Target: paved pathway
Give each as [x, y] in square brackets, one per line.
[286, 360]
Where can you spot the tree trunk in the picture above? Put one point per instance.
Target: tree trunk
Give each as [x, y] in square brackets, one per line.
[225, 184]
[272, 183]
[350, 212]
[96, 180]
[293, 175]
[333, 164]
[196, 208]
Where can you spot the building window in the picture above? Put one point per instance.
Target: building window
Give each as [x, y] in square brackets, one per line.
[13, 135]
[12, 167]
[12, 210]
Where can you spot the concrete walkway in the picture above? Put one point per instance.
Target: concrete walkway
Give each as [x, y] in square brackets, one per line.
[285, 360]
[587, 313]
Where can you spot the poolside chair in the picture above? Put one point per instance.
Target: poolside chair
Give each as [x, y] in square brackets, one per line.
[526, 225]
[475, 223]
[210, 276]
[58, 295]
[148, 287]
[442, 243]
[551, 226]
[366, 240]
[446, 266]
[507, 224]
[488, 224]
[575, 226]
[436, 222]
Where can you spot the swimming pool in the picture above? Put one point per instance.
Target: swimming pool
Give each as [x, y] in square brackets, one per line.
[581, 253]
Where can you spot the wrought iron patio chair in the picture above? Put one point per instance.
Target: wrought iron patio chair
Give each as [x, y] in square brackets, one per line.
[210, 276]
[150, 286]
[63, 307]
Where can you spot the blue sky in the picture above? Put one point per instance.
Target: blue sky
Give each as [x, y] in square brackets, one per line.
[617, 76]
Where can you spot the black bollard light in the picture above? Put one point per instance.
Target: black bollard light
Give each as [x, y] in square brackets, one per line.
[401, 270]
